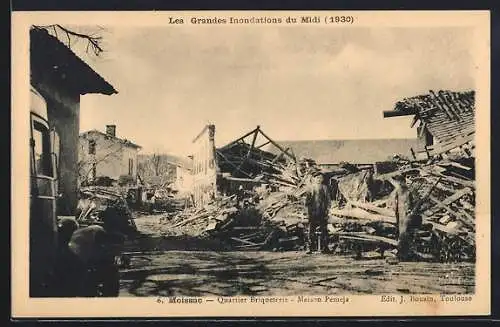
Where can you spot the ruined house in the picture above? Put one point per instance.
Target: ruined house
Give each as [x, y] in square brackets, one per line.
[444, 120]
[61, 77]
[242, 162]
[106, 155]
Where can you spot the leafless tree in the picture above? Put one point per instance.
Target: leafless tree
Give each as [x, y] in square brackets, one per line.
[70, 37]
[156, 161]
[156, 165]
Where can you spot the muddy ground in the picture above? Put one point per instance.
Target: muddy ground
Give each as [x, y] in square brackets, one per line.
[164, 265]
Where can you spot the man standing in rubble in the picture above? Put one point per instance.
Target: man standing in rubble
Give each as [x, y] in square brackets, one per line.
[407, 220]
[317, 203]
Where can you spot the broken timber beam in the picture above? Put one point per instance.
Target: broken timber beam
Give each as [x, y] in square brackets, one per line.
[369, 239]
[456, 180]
[465, 218]
[244, 241]
[395, 113]
[277, 145]
[362, 214]
[371, 207]
[241, 138]
[263, 144]
[232, 164]
[253, 141]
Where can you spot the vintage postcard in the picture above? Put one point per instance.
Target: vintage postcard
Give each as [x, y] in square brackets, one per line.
[187, 164]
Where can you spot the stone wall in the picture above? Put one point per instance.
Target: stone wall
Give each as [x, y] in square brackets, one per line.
[63, 109]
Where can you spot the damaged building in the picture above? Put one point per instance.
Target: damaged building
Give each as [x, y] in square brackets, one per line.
[362, 218]
[60, 77]
[240, 163]
[444, 120]
[104, 155]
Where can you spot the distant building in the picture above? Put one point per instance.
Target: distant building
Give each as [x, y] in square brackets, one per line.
[106, 155]
[162, 169]
[60, 77]
[445, 120]
[204, 171]
[360, 152]
[183, 178]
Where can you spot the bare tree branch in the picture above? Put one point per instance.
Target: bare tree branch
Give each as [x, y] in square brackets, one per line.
[93, 42]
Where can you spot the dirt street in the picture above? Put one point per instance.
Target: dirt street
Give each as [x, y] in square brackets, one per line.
[168, 266]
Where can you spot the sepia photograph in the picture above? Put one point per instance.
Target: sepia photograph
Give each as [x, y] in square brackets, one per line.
[270, 158]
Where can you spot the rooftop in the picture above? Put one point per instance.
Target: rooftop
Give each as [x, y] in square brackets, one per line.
[54, 59]
[124, 141]
[447, 115]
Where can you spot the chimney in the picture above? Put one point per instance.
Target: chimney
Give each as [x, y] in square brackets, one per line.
[211, 132]
[111, 130]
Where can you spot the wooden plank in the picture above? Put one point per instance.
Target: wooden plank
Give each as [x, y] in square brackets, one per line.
[454, 197]
[445, 188]
[371, 239]
[442, 228]
[371, 207]
[388, 176]
[460, 176]
[457, 165]
[233, 165]
[185, 221]
[244, 241]
[380, 202]
[277, 145]
[257, 246]
[253, 141]
[415, 119]
[362, 214]
[459, 215]
[457, 142]
[468, 216]
[247, 228]
[396, 113]
[441, 205]
[239, 139]
[452, 179]
[240, 179]
[263, 144]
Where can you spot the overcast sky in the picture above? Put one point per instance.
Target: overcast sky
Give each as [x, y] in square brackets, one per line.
[297, 83]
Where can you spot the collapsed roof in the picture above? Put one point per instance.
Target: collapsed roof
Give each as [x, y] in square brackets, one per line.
[446, 115]
[247, 159]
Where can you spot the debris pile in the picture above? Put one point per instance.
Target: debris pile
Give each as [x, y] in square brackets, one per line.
[362, 217]
[97, 204]
[444, 191]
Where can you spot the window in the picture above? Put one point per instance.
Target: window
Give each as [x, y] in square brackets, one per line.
[91, 146]
[41, 147]
[131, 167]
[429, 139]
